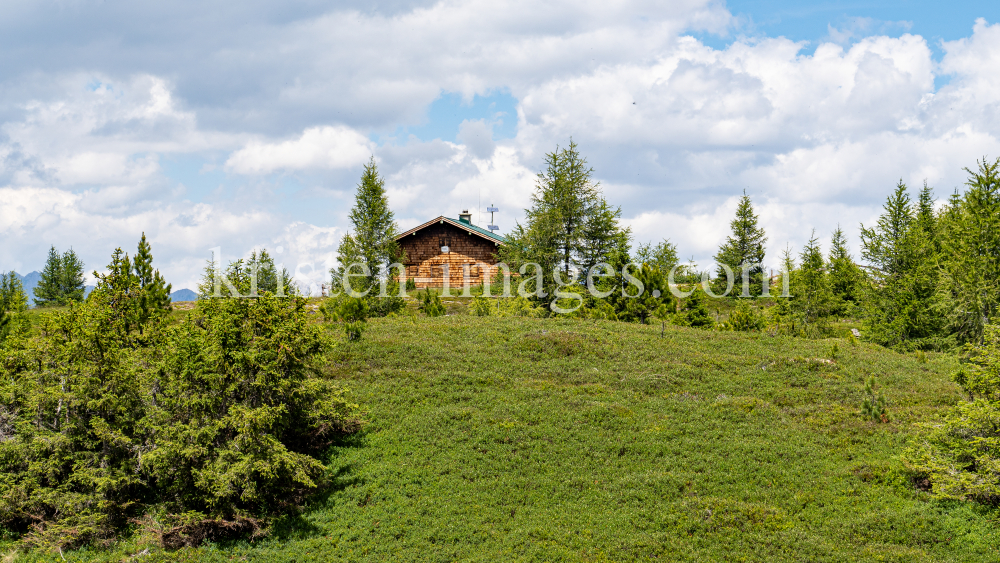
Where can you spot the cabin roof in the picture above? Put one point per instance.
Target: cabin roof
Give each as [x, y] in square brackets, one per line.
[469, 227]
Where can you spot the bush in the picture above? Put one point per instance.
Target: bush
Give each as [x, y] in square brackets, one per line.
[961, 456]
[694, 312]
[430, 304]
[481, 306]
[874, 406]
[107, 417]
[352, 311]
[745, 319]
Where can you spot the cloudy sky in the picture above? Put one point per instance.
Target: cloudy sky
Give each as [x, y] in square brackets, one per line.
[240, 125]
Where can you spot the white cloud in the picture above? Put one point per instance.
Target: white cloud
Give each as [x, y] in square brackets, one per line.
[319, 147]
[674, 128]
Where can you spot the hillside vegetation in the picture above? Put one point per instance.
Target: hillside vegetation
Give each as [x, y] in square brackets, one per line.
[520, 439]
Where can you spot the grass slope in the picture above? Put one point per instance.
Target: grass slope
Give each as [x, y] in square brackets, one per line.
[560, 440]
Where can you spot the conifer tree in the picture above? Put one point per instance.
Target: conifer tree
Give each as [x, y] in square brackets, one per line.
[744, 246]
[48, 292]
[12, 296]
[899, 298]
[157, 291]
[372, 240]
[811, 288]
[845, 275]
[72, 281]
[970, 224]
[663, 255]
[569, 226]
[781, 313]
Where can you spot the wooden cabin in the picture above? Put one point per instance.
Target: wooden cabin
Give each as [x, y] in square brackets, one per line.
[452, 242]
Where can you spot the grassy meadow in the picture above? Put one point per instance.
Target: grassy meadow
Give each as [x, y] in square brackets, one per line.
[521, 439]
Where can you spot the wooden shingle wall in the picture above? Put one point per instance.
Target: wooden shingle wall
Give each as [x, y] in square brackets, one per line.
[425, 262]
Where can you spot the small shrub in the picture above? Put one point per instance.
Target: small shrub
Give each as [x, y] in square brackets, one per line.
[352, 311]
[694, 312]
[481, 306]
[745, 319]
[960, 456]
[874, 405]
[411, 284]
[834, 351]
[430, 304]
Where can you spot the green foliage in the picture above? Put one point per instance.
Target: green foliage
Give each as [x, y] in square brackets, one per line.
[12, 296]
[61, 280]
[110, 413]
[744, 318]
[744, 246]
[430, 303]
[900, 297]
[663, 255]
[846, 277]
[569, 226]
[481, 306]
[874, 406]
[352, 311]
[969, 231]
[812, 298]
[269, 278]
[372, 239]
[411, 284]
[961, 455]
[251, 278]
[654, 301]
[155, 297]
[694, 311]
[239, 416]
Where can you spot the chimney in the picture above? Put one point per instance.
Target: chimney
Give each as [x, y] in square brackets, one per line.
[465, 216]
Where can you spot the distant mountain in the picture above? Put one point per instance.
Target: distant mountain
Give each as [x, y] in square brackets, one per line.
[183, 295]
[31, 280]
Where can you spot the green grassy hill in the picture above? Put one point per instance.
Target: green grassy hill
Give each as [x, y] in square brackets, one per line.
[558, 440]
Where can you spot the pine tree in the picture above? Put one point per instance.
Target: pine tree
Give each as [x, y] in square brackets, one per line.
[72, 281]
[372, 240]
[744, 246]
[48, 292]
[845, 275]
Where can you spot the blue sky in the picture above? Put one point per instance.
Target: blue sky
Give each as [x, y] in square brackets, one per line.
[212, 124]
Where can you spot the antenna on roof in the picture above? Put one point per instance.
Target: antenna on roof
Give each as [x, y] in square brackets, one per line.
[491, 226]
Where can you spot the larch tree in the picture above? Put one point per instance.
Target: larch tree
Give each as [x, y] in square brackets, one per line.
[569, 226]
